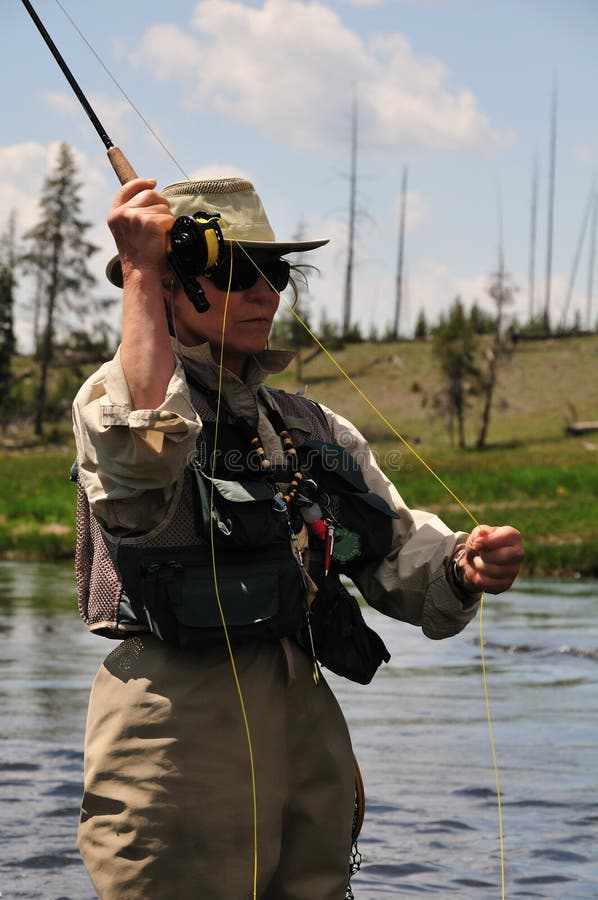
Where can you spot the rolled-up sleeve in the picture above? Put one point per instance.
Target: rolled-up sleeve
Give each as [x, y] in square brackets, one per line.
[131, 459]
[410, 583]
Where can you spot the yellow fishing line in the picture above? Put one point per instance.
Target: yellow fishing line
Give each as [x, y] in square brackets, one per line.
[493, 751]
[220, 609]
[466, 509]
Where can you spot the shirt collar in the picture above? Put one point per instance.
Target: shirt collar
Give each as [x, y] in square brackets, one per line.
[199, 363]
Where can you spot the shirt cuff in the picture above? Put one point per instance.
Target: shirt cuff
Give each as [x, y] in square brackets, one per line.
[455, 580]
[174, 417]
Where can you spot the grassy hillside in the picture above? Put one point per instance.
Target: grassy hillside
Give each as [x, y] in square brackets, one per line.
[532, 475]
[539, 384]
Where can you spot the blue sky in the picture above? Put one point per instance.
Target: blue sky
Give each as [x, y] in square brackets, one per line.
[457, 90]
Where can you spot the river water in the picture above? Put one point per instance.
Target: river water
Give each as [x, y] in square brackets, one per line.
[420, 731]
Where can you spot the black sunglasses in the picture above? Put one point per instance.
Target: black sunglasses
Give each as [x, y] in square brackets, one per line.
[246, 271]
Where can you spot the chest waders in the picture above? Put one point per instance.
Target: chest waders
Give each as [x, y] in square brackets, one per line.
[169, 585]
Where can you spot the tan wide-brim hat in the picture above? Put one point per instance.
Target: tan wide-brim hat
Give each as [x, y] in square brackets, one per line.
[242, 217]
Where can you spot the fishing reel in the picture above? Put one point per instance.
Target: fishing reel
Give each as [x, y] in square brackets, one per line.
[195, 245]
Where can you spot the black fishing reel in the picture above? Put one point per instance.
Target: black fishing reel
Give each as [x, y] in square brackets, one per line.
[196, 244]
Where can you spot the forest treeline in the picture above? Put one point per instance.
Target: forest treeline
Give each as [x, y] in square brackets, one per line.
[69, 335]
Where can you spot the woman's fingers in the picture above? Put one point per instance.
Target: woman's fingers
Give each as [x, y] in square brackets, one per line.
[139, 220]
[492, 557]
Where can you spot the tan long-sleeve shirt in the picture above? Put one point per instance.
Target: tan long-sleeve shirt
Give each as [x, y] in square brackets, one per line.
[130, 462]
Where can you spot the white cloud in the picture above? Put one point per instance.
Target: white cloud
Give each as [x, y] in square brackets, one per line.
[23, 167]
[371, 3]
[115, 115]
[17, 159]
[409, 105]
[219, 170]
[288, 70]
[173, 54]
[433, 287]
[63, 104]
[364, 3]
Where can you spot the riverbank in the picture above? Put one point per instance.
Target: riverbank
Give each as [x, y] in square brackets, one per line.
[532, 475]
[545, 492]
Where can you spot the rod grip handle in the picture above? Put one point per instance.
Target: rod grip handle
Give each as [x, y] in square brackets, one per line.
[121, 165]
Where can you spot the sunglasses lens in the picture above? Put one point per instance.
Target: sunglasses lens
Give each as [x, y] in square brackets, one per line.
[245, 272]
[277, 273]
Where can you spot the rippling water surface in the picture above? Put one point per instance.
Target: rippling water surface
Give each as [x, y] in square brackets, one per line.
[420, 732]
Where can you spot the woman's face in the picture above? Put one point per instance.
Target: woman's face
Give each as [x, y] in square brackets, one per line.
[249, 315]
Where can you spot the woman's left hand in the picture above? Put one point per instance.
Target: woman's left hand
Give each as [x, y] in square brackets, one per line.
[491, 559]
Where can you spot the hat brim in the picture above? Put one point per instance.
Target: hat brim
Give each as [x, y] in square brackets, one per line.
[280, 248]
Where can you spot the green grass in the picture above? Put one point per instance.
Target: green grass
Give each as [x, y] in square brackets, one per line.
[531, 476]
[37, 505]
[550, 503]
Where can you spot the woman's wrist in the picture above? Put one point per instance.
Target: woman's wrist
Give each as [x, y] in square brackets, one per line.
[455, 576]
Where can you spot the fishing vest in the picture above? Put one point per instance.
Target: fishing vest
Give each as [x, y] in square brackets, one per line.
[224, 551]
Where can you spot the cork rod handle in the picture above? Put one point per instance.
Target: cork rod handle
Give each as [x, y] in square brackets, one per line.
[121, 165]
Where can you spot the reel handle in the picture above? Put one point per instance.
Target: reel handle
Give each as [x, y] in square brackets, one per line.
[121, 165]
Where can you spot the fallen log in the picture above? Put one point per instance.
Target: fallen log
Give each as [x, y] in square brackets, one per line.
[579, 428]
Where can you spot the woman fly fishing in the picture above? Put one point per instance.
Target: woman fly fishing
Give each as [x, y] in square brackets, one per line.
[216, 517]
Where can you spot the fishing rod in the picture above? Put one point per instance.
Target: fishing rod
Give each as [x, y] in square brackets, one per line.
[124, 170]
[195, 242]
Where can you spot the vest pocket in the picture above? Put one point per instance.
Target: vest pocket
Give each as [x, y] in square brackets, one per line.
[176, 591]
[238, 514]
[249, 601]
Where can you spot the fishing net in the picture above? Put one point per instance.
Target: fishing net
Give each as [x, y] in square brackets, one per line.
[354, 855]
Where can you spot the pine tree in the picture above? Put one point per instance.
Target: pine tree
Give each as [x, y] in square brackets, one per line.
[57, 257]
[7, 335]
[421, 326]
[481, 322]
